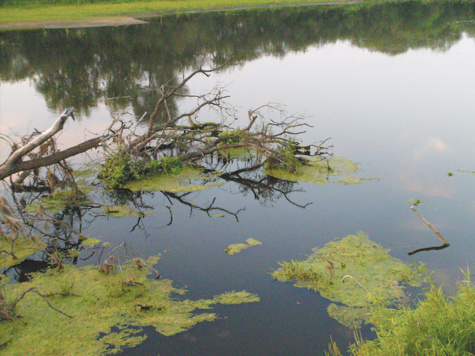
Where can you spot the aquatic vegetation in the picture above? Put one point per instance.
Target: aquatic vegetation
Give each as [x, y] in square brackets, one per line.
[15, 250]
[236, 248]
[60, 200]
[173, 183]
[242, 153]
[352, 318]
[232, 136]
[122, 167]
[465, 171]
[90, 241]
[96, 310]
[415, 202]
[285, 160]
[321, 171]
[122, 211]
[353, 271]
[236, 298]
[436, 325]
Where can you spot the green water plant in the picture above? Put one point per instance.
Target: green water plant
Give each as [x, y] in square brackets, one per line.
[174, 183]
[437, 324]
[121, 167]
[122, 211]
[415, 202]
[236, 248]
[354, 272]
[317, 170]
[285, 160]
[14, 250]
[15, 243]
[59, 201]
[97, 310]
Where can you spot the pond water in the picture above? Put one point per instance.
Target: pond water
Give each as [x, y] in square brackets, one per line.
[392, 85]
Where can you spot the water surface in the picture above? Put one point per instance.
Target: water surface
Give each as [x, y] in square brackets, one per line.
[392, 86]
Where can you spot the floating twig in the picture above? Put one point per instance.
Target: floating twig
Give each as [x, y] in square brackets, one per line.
[444, 241]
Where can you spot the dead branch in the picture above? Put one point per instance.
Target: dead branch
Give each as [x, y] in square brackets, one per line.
[444, 241]
[12, 305]
[15, 162]
[172, 92]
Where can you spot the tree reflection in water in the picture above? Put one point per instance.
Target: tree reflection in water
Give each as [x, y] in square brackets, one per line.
[126, 66]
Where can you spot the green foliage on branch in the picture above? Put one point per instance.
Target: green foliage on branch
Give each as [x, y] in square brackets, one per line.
[122, 167]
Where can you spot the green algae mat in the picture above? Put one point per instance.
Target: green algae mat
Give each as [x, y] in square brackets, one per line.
[97, 310]
[322, 171]
[236, 248]
[173, 183]
[17, 249]
[354, 272]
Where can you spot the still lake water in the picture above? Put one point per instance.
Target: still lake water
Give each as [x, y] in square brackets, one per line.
[392, 85]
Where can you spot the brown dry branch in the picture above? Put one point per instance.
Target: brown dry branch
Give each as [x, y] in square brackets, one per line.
[17, 161]
[444, 241]
[7, 309]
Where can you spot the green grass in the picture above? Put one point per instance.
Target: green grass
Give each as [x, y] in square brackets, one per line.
[37, 12]
[439, 325]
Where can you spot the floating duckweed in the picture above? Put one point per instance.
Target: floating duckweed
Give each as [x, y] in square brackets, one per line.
[173, 183]
[242, 153]
[415, 202]
[321, 171]
[352, 318]
[90, 241]
[18, 249]
[253, 242]
[465, 171]
[236, 248]
[354, 271]
[236, 298]
[122, 211]
[60, 200]
[98, 302]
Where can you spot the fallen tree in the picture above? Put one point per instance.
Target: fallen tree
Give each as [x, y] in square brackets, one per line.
[16, 162]
[132, 149]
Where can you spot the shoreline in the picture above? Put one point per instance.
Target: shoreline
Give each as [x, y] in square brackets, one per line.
[140, 18]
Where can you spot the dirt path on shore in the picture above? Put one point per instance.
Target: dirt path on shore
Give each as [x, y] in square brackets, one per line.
[97, 22]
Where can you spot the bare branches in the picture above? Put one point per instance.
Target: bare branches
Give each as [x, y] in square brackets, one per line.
[6, 311]
[444, 241]
[16, 163]
[168, 94]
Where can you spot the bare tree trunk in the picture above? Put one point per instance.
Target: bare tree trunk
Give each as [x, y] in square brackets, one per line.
[15, 162]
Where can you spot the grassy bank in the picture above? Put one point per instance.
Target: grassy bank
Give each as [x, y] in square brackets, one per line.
[40, 13]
